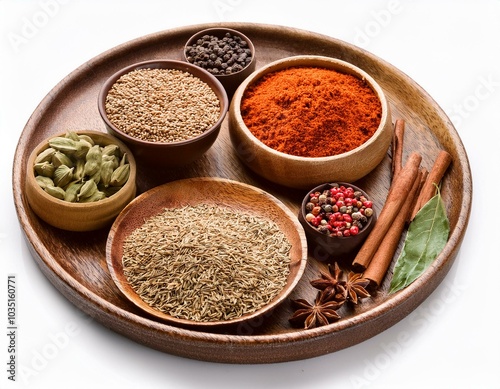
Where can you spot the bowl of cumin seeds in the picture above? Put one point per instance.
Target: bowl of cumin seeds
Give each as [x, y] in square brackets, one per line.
[168, 112]
[227, 253]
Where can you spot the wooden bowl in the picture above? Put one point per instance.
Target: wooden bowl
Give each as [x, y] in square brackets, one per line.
[79, 216]
[232, 81]
[210, 191]
[167, 154]
[306, 172]
[326, 247]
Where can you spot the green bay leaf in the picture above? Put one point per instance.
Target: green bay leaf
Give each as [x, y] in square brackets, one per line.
[426, 238]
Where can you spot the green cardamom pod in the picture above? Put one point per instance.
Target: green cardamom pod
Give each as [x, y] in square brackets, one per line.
[63, 175]
[82, 147]
[124, 159]
[45, 169]
[65, 145]
[111, 158]
[59, 159]
[93, 161]
[107, 168]
[120, 175]
[55, 191]
[111, 149]
[98, 195]
[44, 181]
[72, 191]
[79, 171]
[72, 135]
[87, 139]
[87, 190]
[96, 177]
[45, 155]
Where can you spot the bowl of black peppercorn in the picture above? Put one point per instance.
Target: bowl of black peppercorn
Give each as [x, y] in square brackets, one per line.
[227, 54]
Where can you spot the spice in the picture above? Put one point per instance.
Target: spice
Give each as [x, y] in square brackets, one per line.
[397, 147]
[321, 313]
[426, 238]
[330, 283]
[443, 160]
[335, 289]
[398, 193]
[220, 56]
[339, 287]
[338, 211]
[206, 263]
[74, 169]
[311, 111]
[162, 105]
[355, 287]
[382, 258]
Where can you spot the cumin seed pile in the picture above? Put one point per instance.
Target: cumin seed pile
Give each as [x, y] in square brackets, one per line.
[162, 105]
[206, 263]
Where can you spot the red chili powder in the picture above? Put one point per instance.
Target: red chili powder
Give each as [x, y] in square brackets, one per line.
[311, 111]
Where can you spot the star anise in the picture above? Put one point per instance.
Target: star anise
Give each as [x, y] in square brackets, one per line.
[339, 289]
[321, 313]
[331, 283]
[355, 287]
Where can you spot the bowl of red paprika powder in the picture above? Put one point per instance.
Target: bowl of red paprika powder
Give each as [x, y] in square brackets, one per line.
[305, 120]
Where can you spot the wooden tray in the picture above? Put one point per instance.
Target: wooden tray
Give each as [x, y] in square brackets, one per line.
[75, 262]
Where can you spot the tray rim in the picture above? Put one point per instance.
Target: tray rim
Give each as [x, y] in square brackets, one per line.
[101, 308]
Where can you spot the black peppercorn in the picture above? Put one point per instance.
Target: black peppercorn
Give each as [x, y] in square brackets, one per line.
[226, 55]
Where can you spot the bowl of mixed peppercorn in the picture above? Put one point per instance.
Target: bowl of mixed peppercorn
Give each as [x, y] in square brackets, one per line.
[337, 218]
[227, 54]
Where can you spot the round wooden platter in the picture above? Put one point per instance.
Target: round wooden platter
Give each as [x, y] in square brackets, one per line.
[75, 262]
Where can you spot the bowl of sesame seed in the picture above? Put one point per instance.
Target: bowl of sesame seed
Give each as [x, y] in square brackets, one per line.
[226, 53]
[168, 112]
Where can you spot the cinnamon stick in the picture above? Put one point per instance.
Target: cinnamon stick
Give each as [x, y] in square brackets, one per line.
[397, 196]
[397, 147]
[440, 166]
[382, 258]
[424, 173]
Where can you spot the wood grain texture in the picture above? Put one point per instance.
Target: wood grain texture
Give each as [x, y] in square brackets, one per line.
[75, 262]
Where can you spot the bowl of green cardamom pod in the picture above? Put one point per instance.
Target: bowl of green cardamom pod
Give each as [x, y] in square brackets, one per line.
[80, 180]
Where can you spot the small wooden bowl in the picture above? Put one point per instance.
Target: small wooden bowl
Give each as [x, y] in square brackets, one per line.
[232, 81]
[210, 191]
[79, 216]
[306, 172]
[325, 247]
[167, 154]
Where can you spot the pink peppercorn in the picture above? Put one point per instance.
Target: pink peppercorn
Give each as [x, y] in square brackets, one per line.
[338, 211]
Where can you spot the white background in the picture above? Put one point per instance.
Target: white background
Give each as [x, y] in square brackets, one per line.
[451, 48]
